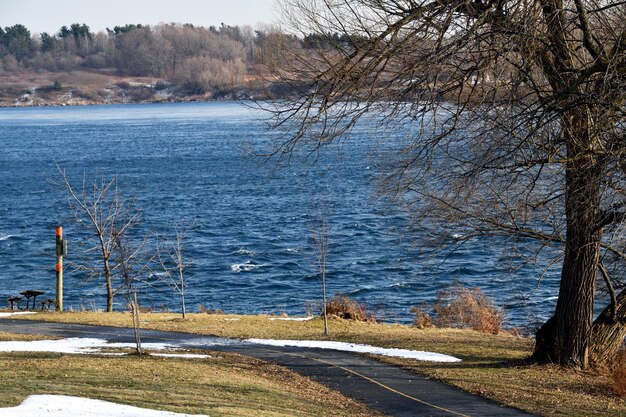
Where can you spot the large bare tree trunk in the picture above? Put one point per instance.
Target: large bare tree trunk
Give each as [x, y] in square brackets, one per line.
[566, 338]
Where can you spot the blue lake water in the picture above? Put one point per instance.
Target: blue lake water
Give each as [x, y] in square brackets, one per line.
[249, 243]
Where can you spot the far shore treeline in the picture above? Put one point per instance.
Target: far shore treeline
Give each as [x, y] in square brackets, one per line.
[135, 63]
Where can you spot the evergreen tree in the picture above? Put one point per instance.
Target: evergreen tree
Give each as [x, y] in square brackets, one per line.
[18, 42]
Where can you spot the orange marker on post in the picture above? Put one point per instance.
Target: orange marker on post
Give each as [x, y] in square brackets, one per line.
[60, 251]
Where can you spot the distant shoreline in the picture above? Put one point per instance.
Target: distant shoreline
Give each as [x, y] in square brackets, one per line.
[119, 96]
[104, 103]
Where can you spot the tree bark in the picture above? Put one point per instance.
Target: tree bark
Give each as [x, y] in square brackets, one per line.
[109, 285]
[182, 287]
[566, 338]
[609, 332]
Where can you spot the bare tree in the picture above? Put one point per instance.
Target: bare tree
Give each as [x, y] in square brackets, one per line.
[133, 263]
[512, 119]
[320, 241]
[173, 264]
[99, 206]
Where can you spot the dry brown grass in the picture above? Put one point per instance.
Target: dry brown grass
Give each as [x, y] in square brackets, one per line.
[20, 337]
[86, 86]
[90, 79]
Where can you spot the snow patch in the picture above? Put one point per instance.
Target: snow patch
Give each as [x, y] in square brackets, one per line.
[182, 355]
[66, 406]
[85, 346]
[359, 348]
[95, 346]
[74, 345]
[293, 318]
[17, 313]
[149, 346]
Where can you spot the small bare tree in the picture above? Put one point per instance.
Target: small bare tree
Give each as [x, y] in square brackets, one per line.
[172, 262]
[320, 242]
[132, 264]
[99, 206]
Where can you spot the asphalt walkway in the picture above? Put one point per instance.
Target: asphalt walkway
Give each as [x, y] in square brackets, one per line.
[388, 388]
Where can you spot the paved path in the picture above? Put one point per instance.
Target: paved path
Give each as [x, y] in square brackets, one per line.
[385, 387]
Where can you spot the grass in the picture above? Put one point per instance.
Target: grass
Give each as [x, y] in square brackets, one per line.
[85, 86]
[20, 337]
[224, 385]
[493, 365]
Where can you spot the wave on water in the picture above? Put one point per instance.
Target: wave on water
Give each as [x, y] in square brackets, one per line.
[6, 237]
[403, 284]
[246, 267]
[245, 252]
[362, 290]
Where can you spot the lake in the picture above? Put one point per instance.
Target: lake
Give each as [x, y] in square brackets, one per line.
[249, 248]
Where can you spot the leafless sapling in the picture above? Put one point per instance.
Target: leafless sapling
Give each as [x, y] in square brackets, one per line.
[173, 264]
[320, 241]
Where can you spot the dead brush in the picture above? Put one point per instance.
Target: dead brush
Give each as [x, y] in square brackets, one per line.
[346, 308]
[462, 307]
[206, 310]
[422, 319]
[618, 374]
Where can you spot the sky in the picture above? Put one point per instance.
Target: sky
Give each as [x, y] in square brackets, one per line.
[49, 15]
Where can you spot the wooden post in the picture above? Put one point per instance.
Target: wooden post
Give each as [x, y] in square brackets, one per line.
[59, 267]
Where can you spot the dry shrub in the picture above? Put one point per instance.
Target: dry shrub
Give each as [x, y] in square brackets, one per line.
[140, 93]
[87, 93]
[205, 310]
[203, 74]
[89, 79]
[14, 90]
[463, 307]
[422, 318]
[618, 374]
[344, 307]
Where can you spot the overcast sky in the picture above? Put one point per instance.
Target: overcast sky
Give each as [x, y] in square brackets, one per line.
[49, 15]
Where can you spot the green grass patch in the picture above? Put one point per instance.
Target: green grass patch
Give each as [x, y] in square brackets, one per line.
[493, 365]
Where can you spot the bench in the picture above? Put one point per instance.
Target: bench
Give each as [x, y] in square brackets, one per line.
[31, 294]
[13, 300]
[47, 304]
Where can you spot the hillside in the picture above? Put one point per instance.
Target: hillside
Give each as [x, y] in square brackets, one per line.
[135, 63]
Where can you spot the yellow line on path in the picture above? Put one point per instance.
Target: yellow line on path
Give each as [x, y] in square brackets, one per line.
[380, 384]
